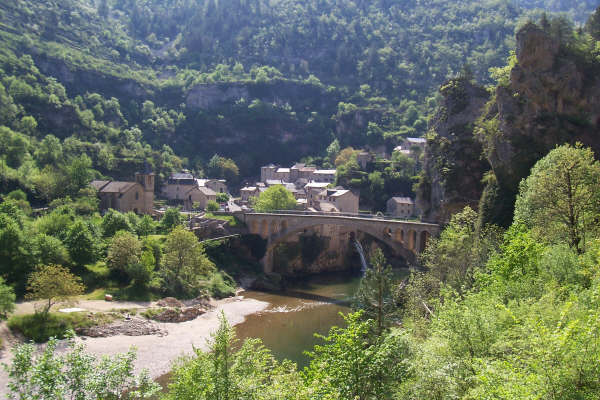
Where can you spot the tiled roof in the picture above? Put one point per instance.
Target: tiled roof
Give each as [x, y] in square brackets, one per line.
[97, 184]
[339, 193]
[207, 191]
[403, 200]
[117, 187]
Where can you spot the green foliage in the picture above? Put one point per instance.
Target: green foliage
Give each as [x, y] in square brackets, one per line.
[212, 205]
[560, 199]
[81, 244]
[184, 266]
[114, 221]
[171, 219]
[222, 197]
[231, 372]
[41, 327]
[375, 294]
[7, 299]
[276, 197]
[75, 374]
[53, 284]
[221, 285]
[352, 364]
[124, 252]
[223, 168]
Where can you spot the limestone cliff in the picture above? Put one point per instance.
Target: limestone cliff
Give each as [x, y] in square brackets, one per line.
[452, 167]
[550, 96]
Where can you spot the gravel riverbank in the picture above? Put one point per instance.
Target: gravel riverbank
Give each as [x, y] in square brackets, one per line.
[157, 352]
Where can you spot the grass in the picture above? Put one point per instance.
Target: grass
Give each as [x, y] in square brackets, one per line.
[39, 327]
[151, 313]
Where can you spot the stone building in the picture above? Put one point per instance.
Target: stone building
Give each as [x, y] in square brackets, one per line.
[267, 172]
[183, 188]
[216, 185]
[337, 200]
[401, 207]
[124, 196]
[248, 192]
[198, 197]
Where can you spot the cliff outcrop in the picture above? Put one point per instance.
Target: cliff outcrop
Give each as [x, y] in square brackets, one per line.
[550, 96]
[452, 166]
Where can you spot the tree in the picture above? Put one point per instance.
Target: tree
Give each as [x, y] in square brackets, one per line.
[81, 244]
[375, 293]
[50, 250]
[53, 284]
[75, 374]
[333, 149]
[212, 205]
[114, 221]
[171, 219]
[222, 197]
[276, 197]
[230, 371]
[346, 155]
[223, 168]
[561, 197]
[184, 264]
[80, 173]
[354, 365]
[124, 251]
[7, 299]
[146, 226]
[593, 24]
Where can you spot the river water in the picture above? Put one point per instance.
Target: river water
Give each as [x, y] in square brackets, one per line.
[310, 306]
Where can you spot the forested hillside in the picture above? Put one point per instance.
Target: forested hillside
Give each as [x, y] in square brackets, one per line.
[129, 82]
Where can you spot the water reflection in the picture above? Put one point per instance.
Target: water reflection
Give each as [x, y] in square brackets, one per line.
[312, 306]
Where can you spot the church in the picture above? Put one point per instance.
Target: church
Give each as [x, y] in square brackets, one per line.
[123, 196]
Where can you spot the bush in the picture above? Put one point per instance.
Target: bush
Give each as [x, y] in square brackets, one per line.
[40, 327]
[221, 285]
[222, 198]
[212, 206]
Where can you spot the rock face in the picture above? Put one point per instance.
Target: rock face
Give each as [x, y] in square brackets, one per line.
[552, 97]
[453, 168]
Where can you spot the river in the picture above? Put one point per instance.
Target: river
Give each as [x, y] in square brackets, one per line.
[310, 306]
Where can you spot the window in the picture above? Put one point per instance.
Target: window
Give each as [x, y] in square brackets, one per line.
[137, 195]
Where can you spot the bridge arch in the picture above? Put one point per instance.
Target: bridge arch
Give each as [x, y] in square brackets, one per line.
[405, 239]
[276, 238]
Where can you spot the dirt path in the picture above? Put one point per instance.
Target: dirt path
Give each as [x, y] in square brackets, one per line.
[156, 353]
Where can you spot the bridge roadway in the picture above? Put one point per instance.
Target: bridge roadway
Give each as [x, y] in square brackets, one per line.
[406, 238]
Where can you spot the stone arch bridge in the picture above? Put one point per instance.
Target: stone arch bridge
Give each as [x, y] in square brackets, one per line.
[405, 238]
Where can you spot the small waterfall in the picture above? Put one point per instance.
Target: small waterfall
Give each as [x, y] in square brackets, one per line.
[361, 253]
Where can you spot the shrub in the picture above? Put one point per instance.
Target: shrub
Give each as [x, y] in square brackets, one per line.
[40, 327]
[212, 206]
[221, 285]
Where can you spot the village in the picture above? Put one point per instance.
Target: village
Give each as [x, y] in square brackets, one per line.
[314, 189]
